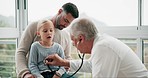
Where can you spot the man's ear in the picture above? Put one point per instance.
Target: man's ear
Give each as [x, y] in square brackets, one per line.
[60, 11]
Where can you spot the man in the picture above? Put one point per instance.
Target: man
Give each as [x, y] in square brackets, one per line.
[61, 20]
[110, 58]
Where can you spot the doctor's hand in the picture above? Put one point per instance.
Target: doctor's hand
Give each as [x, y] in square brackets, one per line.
[56, 60]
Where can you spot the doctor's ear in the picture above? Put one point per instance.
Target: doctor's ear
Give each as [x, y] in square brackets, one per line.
[80, 40]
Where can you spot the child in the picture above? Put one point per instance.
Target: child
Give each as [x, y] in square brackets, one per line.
[41, 49]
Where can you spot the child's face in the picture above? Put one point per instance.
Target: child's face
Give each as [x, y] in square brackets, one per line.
[47, 32]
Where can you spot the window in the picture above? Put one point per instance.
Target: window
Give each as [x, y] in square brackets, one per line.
[145, 53]
[8, 36]
[107, 13]
[7, 58]
[131, 43]
[7, 14]
[145, 12]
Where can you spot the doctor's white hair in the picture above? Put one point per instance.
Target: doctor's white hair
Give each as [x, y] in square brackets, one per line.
[83, 26]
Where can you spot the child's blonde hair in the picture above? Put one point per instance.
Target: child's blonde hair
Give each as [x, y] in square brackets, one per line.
[42, 23]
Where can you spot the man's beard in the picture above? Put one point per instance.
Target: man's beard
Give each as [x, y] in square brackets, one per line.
[57, 25]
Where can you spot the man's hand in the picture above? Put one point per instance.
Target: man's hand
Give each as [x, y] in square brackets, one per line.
[56, 60]
[29, 76]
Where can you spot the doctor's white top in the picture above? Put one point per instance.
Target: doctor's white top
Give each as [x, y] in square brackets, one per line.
[111, 58]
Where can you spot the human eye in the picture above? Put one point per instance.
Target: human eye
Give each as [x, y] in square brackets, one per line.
[51, 30]
[44, 31]
[66, 20]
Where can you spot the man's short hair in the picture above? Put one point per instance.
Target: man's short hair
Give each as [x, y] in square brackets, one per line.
[72, 9]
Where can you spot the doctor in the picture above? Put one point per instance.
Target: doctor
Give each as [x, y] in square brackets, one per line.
[109, 57]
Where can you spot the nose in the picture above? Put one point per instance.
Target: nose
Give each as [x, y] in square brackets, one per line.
[66, 24]
[74, 43]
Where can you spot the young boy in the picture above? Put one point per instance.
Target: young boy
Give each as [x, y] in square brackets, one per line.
[41, 49]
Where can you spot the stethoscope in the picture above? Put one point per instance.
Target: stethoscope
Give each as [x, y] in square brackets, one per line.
[80, 56]
[82, 59]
